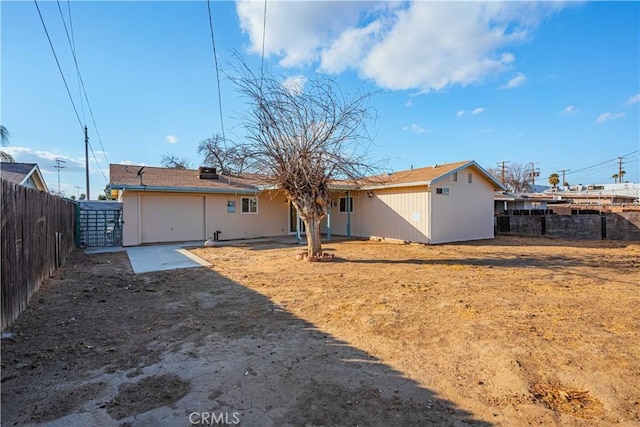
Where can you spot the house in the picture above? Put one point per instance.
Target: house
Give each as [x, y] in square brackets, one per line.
[438, 204]
[25, 174]
[523, 204]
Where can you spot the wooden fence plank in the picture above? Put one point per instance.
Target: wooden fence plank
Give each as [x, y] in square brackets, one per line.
[31, 220]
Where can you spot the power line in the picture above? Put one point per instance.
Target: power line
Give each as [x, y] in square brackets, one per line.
[73, 51]
[80, 80]
[602, 163]
[264, 37]
[58, 63]
[215, 59]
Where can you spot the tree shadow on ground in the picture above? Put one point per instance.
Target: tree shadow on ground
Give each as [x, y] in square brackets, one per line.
[125, 349]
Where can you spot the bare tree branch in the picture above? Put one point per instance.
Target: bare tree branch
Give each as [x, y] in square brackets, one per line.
[171, 161]
[301, 139]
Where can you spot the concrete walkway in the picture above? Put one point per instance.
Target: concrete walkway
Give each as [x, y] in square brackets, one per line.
[145, 259]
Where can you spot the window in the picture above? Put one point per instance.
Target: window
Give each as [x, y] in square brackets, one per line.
[343, 204]
[443, 191]
[249, 205]
[231, 206]
[470, 178]
[455, 176]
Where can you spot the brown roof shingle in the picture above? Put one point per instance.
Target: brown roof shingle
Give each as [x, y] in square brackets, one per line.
[126, 176]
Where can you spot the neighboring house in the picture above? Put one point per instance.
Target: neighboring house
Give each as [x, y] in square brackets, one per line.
[25, 174]
[507, 202]
[445, 203]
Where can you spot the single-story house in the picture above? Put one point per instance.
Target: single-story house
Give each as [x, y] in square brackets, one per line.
[437, 204]
[507, 202]
[25, 174]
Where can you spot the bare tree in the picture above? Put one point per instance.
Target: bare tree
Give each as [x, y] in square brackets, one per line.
[227, 158]
[517, 177]
[171, 161]
[301, 138]
[4, 140]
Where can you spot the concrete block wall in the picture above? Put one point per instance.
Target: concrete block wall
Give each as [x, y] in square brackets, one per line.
[618, 226]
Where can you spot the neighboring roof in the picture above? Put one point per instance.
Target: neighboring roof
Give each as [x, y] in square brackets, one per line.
[426, 176]
[519, 197]
[19, 173]
[178, 180]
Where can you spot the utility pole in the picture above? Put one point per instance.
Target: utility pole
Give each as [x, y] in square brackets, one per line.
[620, 171]
[563, 172]
[534, 172]
[502, 174]
[59, 166]
[86, 158]
[77, 187]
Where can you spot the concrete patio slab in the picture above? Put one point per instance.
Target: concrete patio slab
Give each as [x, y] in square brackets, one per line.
[145, 259]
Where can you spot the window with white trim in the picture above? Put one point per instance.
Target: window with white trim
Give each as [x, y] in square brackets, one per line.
[470, 180]
[343, 204]
[455, 177]
[443, 191]
[249, 205]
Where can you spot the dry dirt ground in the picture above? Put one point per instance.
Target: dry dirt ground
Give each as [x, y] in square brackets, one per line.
[510, 332]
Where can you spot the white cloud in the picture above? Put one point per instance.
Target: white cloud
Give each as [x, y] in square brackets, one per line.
[518, 80]
[414, 128]
[46, 160]
[474, 112]
[409, 103]
[569, 110]
[297, 32]
[398, 45]
[132, 163]
[172, 139]
[605, 117]
[634, 99]
[295, 84]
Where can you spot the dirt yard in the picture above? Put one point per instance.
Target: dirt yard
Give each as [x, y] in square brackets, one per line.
[506, 332]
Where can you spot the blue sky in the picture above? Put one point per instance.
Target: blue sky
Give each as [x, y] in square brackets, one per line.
[556, 84]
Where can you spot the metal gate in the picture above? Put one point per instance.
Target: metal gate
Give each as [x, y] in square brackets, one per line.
[99, 224]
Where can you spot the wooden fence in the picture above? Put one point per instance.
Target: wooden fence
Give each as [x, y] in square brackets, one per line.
[38, 232]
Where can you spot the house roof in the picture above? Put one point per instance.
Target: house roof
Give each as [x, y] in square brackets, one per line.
[187, 180]
[19, 173]
[150, 178]
[426, 176]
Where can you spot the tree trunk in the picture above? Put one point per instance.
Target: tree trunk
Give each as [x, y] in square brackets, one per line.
[314, 241]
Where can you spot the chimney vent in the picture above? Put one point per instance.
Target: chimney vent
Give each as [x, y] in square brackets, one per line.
[207, 173]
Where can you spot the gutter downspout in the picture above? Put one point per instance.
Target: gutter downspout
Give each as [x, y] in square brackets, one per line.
[349, 207]
[329, 223]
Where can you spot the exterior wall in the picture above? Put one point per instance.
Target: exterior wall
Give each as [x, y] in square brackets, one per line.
[271, 219]
[392, 213]
[171, 218]
[466, 213]
[617, 226]
[164, 217]
[130, 217]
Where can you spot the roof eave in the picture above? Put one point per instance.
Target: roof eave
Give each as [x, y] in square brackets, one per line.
[167, 189]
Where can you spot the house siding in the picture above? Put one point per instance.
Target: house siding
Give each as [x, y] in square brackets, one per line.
[398, 213]
[466, 213]
[153, 217]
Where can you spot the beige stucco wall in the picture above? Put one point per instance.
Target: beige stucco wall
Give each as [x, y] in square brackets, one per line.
[164, 217]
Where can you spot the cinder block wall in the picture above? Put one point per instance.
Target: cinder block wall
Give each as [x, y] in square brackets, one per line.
[619, 226]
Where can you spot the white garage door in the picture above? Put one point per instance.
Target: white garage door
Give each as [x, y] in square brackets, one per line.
[171, 218]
